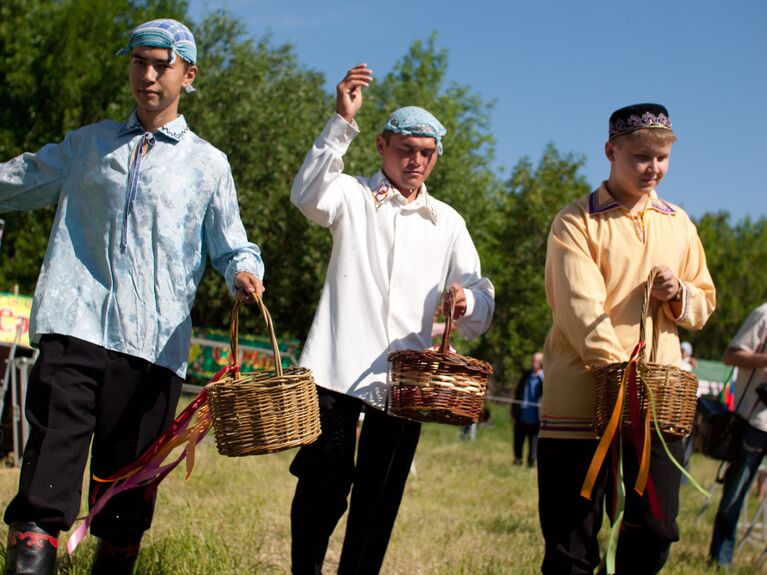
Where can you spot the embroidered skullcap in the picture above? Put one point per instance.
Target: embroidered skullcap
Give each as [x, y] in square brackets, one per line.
[637, 117]
[415, 121]
[164, 33]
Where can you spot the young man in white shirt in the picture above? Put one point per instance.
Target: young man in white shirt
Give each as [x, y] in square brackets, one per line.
[395, 250]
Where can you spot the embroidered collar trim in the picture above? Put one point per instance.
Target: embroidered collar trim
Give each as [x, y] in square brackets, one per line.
[383, 190]
[600, 201]
[175, 129]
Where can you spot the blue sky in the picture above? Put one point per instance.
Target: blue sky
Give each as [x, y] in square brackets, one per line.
[557, 69]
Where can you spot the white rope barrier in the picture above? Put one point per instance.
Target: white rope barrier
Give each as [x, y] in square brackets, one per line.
[499, 399]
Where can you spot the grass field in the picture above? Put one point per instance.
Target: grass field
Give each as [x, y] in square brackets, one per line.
[467, 510]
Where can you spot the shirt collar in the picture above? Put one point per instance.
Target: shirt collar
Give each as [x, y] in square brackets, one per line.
[600, 201]
[383, 191]
[174, 130]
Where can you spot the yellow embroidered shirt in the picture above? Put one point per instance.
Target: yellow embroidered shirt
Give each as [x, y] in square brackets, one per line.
[597, 261]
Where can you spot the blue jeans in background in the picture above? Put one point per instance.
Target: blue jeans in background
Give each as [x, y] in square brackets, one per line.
[738, 481]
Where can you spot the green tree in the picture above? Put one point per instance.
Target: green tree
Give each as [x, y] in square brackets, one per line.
[267, 113]
[534, 194]
[260, 106]
[734, 254]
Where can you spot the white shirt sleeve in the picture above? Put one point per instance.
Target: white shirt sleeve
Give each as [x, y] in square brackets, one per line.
[317, 189]
[753, 332]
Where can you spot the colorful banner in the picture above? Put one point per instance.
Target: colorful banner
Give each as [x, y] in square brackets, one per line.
[210, 352]
[712, 377]
[14, 312]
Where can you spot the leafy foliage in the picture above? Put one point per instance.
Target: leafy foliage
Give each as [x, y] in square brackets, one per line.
[264, 110]
[534, 194]
[734, 254]
[260, 105]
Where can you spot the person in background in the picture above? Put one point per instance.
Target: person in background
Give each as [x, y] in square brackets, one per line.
[526, 410]
[689, 363]
[746, 352]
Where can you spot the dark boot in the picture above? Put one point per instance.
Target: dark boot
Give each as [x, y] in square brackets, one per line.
[114, 559]
[31, 550]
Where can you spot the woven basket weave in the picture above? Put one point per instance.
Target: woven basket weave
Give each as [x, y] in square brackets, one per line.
[263, 412]
[438, 386]
[673, 389]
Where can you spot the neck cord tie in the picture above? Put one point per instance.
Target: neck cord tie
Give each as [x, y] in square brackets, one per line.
[148, 140]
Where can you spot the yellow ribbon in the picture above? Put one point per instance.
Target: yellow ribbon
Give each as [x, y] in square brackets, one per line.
[612, 428]
[644, 463]
[188, 436]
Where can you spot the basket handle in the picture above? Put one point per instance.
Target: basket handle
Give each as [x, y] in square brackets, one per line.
[646, 305]
[234, 329]
[445, 345]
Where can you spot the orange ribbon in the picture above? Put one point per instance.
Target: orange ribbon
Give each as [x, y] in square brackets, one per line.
[644, 463]
[177, 434]
[613, 427]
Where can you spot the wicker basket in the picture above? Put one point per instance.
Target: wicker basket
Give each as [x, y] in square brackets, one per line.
[673, 389]
[438, 385]
[263, 412]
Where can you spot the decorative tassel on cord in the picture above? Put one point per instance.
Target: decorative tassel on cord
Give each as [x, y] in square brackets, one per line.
[612, 437]
[150, 469]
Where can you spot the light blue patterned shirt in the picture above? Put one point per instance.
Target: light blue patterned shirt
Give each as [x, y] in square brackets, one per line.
[135, 300]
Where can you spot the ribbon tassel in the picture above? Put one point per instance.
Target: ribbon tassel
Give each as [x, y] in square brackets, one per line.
[150, 468]
[612, 429]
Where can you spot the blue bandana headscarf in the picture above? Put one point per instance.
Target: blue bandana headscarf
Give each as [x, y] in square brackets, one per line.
[415, 121]
[164, 33]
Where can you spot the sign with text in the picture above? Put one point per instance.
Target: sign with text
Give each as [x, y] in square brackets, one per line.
[210, 352]
[14, 313]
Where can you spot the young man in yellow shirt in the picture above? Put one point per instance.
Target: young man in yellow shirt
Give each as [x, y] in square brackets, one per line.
[600, 252]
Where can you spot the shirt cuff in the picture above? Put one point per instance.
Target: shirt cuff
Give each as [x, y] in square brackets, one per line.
[470, 300]
[255, 267]
[684, 305]
[338, 134]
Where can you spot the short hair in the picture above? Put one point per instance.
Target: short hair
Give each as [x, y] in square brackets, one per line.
[646, 136]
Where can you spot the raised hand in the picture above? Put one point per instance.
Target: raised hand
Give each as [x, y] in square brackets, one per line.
[349, 91]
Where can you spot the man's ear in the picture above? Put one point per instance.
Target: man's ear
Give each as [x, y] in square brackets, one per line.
[380, 144]
[190, 73]
[610, 151]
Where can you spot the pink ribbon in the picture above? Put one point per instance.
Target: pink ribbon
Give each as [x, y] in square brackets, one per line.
[150, 468]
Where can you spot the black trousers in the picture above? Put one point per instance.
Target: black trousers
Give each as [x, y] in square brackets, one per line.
[570, 523]
[523, 431]
[78, 391]
[326, 471]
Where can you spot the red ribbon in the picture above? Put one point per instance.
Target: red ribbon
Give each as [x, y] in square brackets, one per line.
[150, 468]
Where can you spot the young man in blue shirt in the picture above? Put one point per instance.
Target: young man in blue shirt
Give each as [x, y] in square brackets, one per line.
[140, 206]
